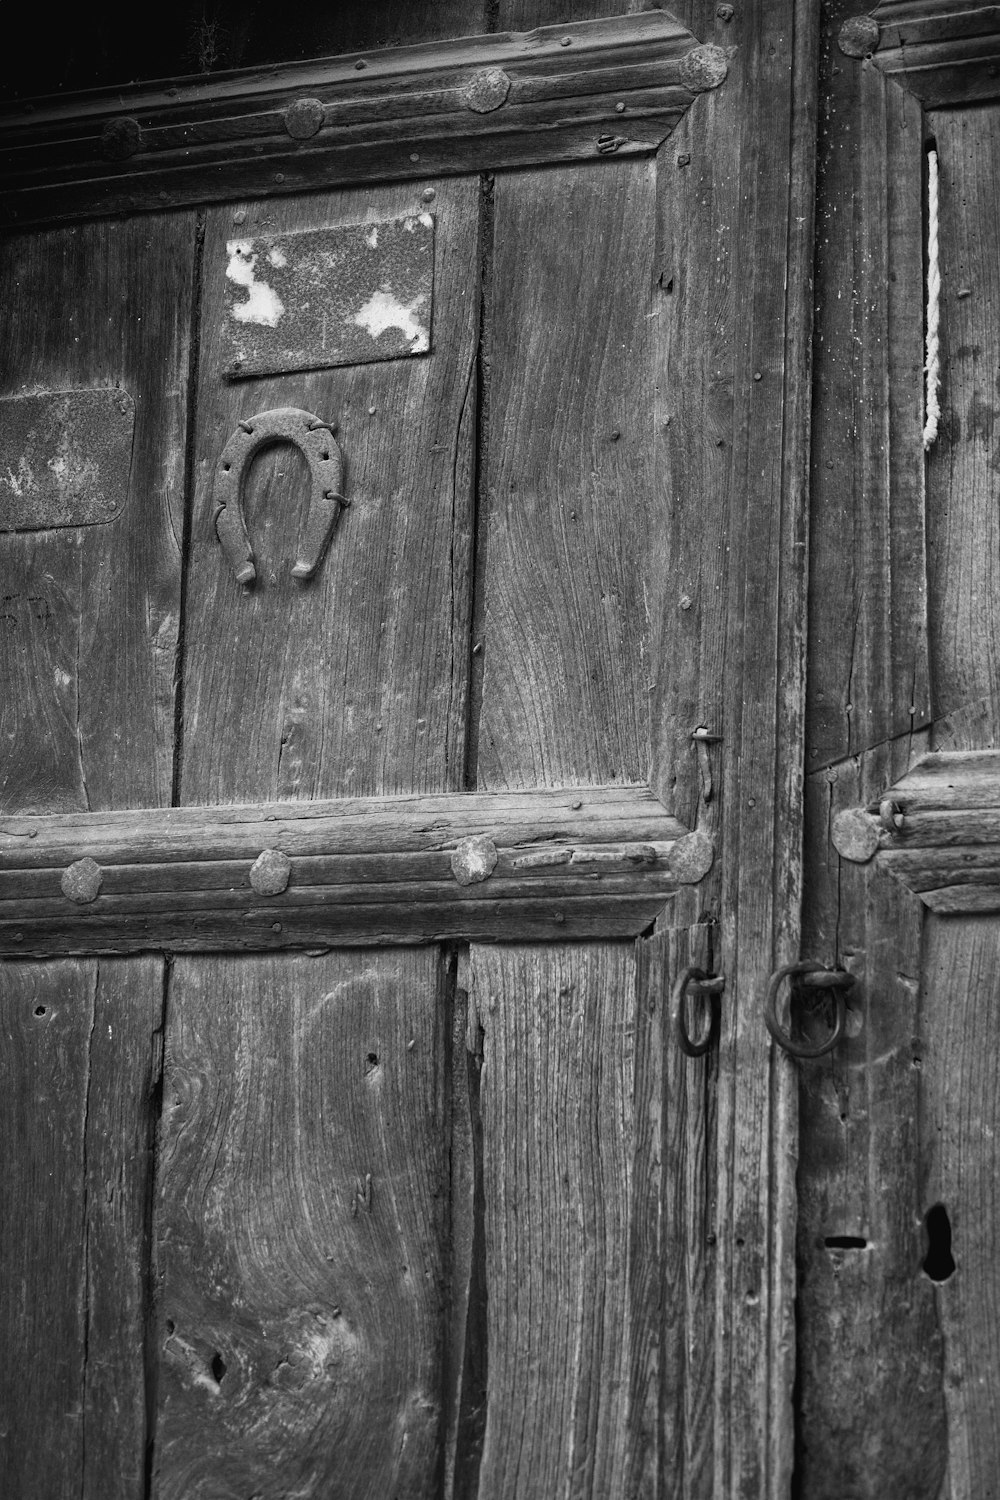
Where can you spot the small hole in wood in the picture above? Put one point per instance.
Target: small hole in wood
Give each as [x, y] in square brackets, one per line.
[371, 1062]
[170, 1325]
[39, 1010]
[845, 1242]
[939, 1263]
[218, 1368]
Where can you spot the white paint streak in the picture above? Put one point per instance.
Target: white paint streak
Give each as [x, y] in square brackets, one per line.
[372, 237]
[383, 311]
[277, 256]
[263, 305]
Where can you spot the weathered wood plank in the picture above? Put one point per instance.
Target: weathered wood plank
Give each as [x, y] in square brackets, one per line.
[78, 1066]
[557, 1089]
[959, 1120]
[89, 614]
[344, 685]
[942, 52]
[672, 1238]
[351, 685]
[861, 1304]
[542, 818]
[567, 501]
[963, 527]
[301, 1205]
[868, 658]
[734, 357]
[87, 656]
[346, 871]
[195, 141]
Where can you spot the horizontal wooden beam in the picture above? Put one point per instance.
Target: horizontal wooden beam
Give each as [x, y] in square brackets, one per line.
[581, 91]
[581, 862]
[937, 831]
[942, 51]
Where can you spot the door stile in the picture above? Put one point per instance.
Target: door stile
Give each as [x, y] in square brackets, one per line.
[733, 430]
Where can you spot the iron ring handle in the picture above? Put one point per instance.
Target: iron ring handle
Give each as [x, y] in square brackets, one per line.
[836, 980]
[710, 986]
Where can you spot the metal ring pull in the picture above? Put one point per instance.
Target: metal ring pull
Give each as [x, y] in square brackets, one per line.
[709, 985]
[815, 977]
[314, 439]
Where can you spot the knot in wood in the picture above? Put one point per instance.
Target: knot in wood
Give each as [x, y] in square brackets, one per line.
[704, 68]
[121, 139]
[474, 859]
[859, 36]
[303, 118]
[270, 872]
[486, 90]
[855, 835]
[81, 881]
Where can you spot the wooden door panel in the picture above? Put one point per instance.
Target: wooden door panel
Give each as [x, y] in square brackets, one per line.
[302, 1226]
[568, 479]
[352, 683]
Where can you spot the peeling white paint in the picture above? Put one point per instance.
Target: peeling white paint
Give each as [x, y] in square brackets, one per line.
[277, 256]
[371, 238]
[383, 311]
[263, 305]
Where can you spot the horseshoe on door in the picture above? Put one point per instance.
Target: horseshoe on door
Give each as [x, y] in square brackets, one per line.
[314, 439]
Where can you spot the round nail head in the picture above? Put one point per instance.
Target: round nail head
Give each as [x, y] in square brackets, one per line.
[270, 872]
[81, 881]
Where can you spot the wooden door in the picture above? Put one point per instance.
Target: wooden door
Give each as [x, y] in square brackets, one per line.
[345, 886]
[898, 1334]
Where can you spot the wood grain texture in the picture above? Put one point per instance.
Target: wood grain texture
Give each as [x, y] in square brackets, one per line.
[863, 1305]
[88, 619]
[868, 656]
[959, 1107]
[963, 533]
[355, 871]
[87, 655]
[734, 370]
[301, 1208]
[347, 685]
[80, 1061]
[557, 1088]
[567, 479]
[672, 1238]
[197, 141]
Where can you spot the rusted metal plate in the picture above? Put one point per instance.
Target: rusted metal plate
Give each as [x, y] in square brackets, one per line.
[65, 458]
[321, 297]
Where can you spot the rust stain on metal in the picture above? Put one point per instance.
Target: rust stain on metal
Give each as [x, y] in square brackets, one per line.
[474, 860]
[322, 297]
[65, 458]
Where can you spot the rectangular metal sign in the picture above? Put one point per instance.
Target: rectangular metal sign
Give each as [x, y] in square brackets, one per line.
[65, 458]
[321, 297]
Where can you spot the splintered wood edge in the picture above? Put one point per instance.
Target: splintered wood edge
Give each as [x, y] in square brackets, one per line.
[581, 91]
[937, 831]
[578, 862]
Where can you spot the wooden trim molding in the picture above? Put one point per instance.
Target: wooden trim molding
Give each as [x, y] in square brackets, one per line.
[587, 90]
[584, 862]
[937, 831]
[944, 51]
